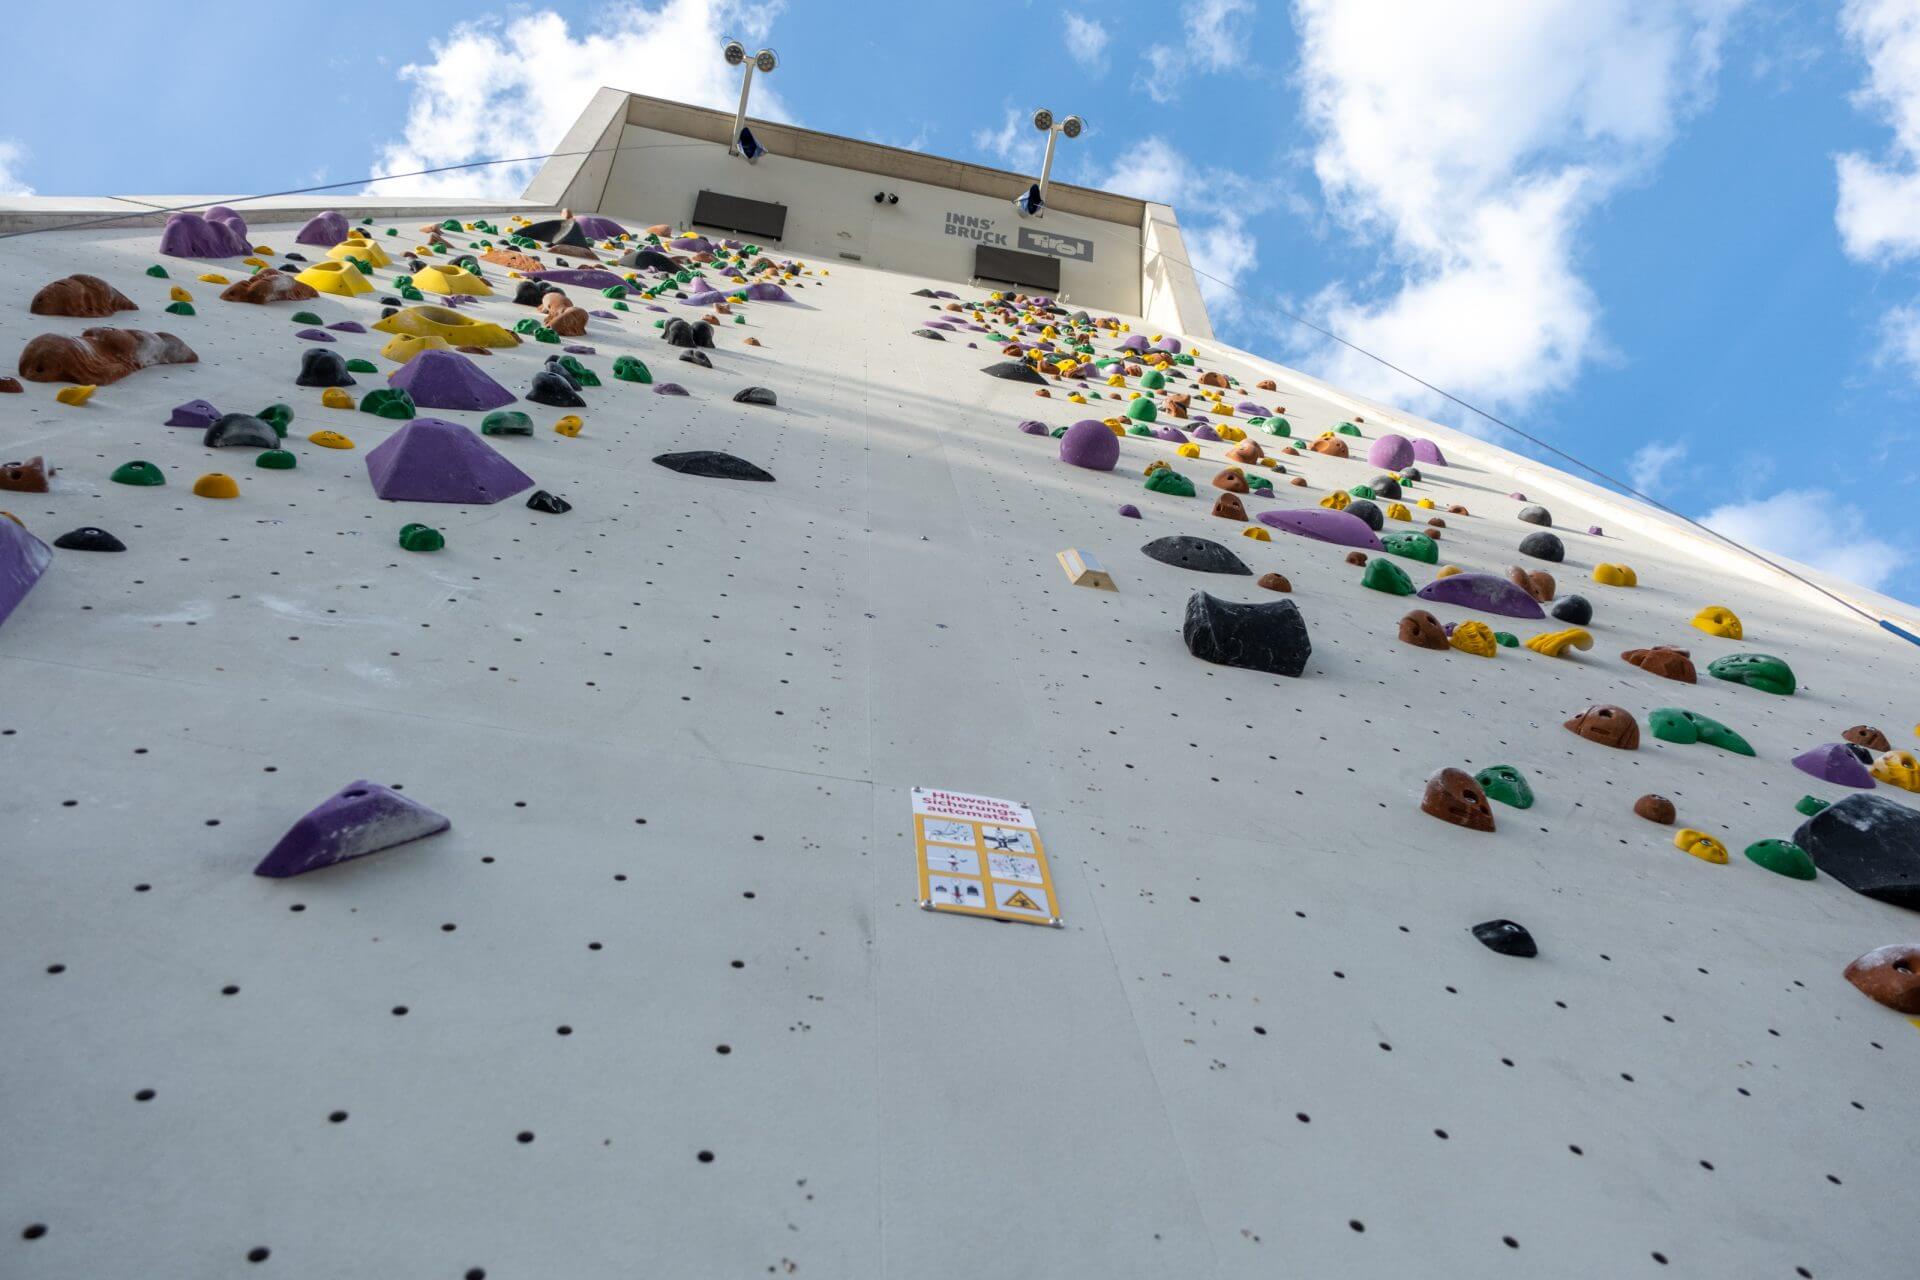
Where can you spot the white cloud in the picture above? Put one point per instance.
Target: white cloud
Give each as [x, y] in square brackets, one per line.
[1878, 214]
[1815, 528]
[1474, 186]
[1213, 204]
[1086, 42]
[11, 154]
[1213, 37]
[1652, 461]
[1015, 144]
[495, 89]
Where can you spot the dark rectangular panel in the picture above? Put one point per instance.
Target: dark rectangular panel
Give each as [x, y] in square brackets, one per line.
[1010, 266]
[737, 213]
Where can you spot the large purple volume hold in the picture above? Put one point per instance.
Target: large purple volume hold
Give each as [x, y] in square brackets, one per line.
[23, 558]
[1391, 453]
[1834, 763]
[361, 818]
[324, 229]
[1428, 452]
[188, 235]
[432, 460]
[1484, 592]
[449, 380]
[1325, 525]
[1090, 444]
[581, 277]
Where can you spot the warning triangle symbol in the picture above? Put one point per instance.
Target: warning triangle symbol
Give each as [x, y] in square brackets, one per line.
[1020, 901]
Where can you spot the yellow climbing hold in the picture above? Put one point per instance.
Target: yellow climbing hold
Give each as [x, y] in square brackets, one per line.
[402, 347]
[1255, 532]
[177, 294]
[450, 280]
[569, 425]
[258, 264]
[362, 248]
[335, 398]
[342, 278]
[1337, 500]
[1158, 464]
[1076, 398]
[1700, 845]
[1474, 637]
[330, 440]
[75, 395]
[1116, 381]
[1398, 511]
[1193, 451]
[213, 277]
[445, 322]
[1718, 620]
[1234, 434]
[1425, 504]
[215, 484]
[1898, 769]
[1615, 575]
[1554, 643]
[1447, 571]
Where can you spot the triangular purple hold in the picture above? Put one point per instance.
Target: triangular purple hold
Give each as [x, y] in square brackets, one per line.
[448, 380]
[1481, 591]
[1428, 452]
[767, 291]
[23, 558]
[1325, 525]
[1834, 763]
[433, 460]
[197, 414]
[361, 818]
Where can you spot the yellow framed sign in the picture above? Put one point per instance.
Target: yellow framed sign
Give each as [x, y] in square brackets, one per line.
[981, 857]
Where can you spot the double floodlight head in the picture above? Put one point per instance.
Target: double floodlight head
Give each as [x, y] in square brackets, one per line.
[763, 61]
[735, 53]
[1043, 119]
[1071, 126]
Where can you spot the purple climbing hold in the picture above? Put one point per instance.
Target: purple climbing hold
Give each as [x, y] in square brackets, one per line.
[767, 291]
[1518, 497]
[23, 558]
[1205, 432]
[706, 298]
[188, 235]
[1130, 511]
[316, 335]
[1428, 451]
[1595, 530]
[1170, 433]
[1033, 428]
[347, 326]
[361, 818]
[433, 460]
[1484, 592]
[1134, 342]
[1090, 443]
[668, 389]
[197, 414]
[1325, 525]
[448, 380]
[1392, 453]
[584, 277]
[324, 229]
[1170, 345]
[1251, 410]
[1834, 763]
[599, 228]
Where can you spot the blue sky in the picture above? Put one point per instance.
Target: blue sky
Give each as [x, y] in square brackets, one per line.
[1677, 238]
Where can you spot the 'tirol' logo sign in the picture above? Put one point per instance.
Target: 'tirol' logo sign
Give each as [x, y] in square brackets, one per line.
[1058, 246]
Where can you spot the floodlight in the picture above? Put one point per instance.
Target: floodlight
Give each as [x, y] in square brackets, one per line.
[1043, 119]
[735, 53]
[766, 60]
[1072, 126]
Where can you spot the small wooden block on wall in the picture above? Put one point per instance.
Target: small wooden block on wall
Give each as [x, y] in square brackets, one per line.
[1083, 570]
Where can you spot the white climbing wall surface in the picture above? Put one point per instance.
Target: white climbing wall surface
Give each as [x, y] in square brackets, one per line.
[662, 1001]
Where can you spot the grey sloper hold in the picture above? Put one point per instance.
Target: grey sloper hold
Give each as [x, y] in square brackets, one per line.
[1536, 515]
[1014, 371]
[716, 465]
[697, 357]
[551, 389]
[1577, 610]
[1271, 636]
[1869, 844]
[929, 333]
[1202, 555]
[755, 395]
[1361, 509]
[240, 430]
[1543, 546]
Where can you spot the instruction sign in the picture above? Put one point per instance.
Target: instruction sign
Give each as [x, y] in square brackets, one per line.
[981, 857]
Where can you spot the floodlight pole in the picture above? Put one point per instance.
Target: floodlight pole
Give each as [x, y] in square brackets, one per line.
[736, 54]
[1046, 164]
[740, 113]
[1043, 121]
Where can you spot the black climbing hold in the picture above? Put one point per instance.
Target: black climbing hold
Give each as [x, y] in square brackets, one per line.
[1575, 609]
[390, 303]
[1536, 515]
[1367, 511]
[707, 462]
[1269, 637]
[1384, 487]
[651, 258]
[1870, 845]
[1411, 475]
[322, 368]
[529, 292]
[929, 333]
[1506, 937]
[755, 395]
[240, 430]
[679, 333]
[1858, 752]
[552, 504]
[1014, 371]
[89, 538]
[296, 257]
[923, 293]
[551, 388]
[1183, 551]
[554, 366]
[1543, 546]
[696, 357]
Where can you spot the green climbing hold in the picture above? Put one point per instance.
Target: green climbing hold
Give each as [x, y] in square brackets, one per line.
[1142, 410]
[1674, 724]
[1506, 639]
[1140, 429]
[631, 369]
[529, 324]
[581, 374]
[1278, 427]
[1760, 671]
[1361, 491]
[452, 224]
[412, 294]
[421, 537]
[1168, 481]
[139, 471]
[280, 415]
[1506, 784]
[1152, 380]
[181, 309]
[614, 291]
[621, 306]
[1183, 358]
[388, 402]
[739, 319]
[543, 334]
[1782, 857]
[157, 271]
[1347, 429]
[1259, 482]
[366, 222]
[275, 460]
[393, 231]
[1057, 432]
[1385, 575]
[1810, 805]
[1414, 546]
[506, 422]
[401, 282]
[357, 365]
[365, 267]
[467, 262]
[306, 317]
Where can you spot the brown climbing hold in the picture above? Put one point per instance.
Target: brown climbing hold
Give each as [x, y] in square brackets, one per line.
[1453, 796]
[1273, 582]
[1247, 450]
[1436, 522]
[1457, 511]
[1890, 975]
[10, 386]
[24, 477]
[513, 260]
[1432, 533]
[1332, 446]
[1422, 630]
[1012, 349]
[1356, 557]
[80, 295]
[1232, 479]
[1043, 393]
[1655, 809]
[268, 286]
[1609, 726]
[1227, 507]
[473, 351]
[1538, 585]
[1299, 482]
[1665, 661]
[1212, 379]
[99, 356]
[749, 342]
[1292, 452]
[1266, 384]
[1865, 735]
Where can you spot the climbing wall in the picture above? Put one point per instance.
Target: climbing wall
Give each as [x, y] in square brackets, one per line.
[662, 1000]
